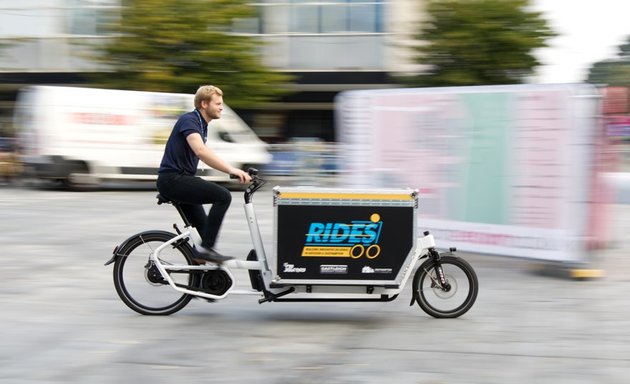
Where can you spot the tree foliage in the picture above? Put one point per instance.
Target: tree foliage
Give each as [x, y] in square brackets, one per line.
[613, 72]
[476, 42]
[177, 45]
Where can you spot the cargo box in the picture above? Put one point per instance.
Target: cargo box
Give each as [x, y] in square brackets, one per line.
[343, 237]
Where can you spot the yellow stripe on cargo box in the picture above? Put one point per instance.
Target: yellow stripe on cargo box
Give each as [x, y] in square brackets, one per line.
[346, 196]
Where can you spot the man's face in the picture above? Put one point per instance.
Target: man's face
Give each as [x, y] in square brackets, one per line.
[213, 107]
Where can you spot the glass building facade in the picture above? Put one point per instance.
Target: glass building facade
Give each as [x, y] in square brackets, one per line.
[329, 45]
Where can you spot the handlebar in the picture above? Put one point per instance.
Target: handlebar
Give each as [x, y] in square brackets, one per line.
[256, 183]
[252, 172]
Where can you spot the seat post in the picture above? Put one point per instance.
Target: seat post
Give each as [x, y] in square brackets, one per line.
[162, 199]
[181, 213]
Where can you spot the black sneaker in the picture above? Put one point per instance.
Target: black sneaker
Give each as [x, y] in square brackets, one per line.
[202, 255]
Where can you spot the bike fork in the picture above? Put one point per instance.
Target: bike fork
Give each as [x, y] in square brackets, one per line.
[440, 279]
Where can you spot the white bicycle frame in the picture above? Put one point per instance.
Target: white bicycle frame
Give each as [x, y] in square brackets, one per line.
[324, 291]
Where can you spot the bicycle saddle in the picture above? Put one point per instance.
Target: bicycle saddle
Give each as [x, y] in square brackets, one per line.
[162, 199]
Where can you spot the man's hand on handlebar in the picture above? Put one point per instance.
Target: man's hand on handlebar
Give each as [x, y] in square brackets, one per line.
[243, 176]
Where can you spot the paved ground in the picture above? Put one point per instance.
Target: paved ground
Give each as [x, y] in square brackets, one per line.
[62, 321]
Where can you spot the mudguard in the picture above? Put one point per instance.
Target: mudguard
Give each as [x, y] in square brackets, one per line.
[415, 297]
[122, 245]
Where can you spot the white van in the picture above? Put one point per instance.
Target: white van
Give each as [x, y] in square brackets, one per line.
[83, 136]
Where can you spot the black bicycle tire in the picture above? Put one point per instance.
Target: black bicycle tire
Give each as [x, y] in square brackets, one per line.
[471, 297]
[131, 244]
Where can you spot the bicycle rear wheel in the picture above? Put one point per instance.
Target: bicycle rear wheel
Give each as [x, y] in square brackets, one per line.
[453, 300]
[138, 281]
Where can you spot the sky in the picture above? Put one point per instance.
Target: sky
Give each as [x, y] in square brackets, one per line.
[588, 31]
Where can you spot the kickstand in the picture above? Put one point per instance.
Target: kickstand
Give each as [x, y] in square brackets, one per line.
[272, 296]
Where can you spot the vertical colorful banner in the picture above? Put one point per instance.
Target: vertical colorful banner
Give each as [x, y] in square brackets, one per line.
[500, 169]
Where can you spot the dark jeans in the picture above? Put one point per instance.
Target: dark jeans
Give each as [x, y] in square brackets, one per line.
[191, 192]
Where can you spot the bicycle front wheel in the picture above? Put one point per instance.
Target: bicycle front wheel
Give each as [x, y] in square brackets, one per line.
[456, 297]
[138, 281]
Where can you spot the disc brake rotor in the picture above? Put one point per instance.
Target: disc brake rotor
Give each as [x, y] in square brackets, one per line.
[152, 275]
[441, 293]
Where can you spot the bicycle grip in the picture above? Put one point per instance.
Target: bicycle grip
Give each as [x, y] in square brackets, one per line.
[251, 171]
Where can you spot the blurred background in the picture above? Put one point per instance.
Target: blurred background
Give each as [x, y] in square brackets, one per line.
[89, 90]
[282, 63]
[122, 71]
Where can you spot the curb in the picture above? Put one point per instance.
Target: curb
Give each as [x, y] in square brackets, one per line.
[570, 271]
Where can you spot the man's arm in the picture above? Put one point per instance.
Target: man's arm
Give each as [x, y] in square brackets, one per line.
[211, 159]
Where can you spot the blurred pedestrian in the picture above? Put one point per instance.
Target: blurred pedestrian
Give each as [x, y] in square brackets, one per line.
[176, 176]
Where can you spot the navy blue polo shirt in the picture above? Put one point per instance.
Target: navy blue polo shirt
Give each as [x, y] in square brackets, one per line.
[178, 156]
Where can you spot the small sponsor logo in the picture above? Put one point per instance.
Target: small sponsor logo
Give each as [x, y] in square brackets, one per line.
[368, 269]
[333, 269]
[291, 268]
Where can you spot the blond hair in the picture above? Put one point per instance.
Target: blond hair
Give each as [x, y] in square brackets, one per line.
[205, 92]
